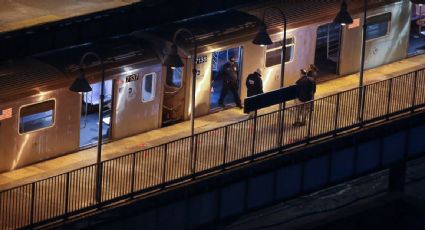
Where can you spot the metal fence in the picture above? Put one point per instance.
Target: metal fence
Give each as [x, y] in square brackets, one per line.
[152, 169]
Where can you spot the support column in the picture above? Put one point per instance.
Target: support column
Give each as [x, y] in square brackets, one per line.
[397, 177]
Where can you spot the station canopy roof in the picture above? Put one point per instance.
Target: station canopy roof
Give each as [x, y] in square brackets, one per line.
[225, 27]
[19, 14]
[57, 69]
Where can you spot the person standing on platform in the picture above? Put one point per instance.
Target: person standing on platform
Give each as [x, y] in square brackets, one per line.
[229, 72]
[254, 86]
[306, 87]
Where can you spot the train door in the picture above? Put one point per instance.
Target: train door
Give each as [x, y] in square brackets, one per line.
[90, 114]
[327, 50]
[219, 58]
[173, 104]
[417, 30]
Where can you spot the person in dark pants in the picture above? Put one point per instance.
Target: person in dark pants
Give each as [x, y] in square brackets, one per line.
[229, 72]
[254, 86]
[306, 87]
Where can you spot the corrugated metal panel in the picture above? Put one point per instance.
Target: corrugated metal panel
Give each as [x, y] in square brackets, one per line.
[56, 69]
[206, 27]
[300, 13]
[232, 25]
[27, 76]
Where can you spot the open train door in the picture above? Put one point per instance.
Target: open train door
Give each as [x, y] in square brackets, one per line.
[327, 50]
[417, 30]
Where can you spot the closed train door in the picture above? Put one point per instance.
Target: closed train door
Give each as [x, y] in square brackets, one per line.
[218, 97]
[174, 96]
[137, 102]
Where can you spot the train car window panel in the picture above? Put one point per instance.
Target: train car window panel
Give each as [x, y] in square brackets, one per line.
[148, 87]
[274, 52]
[36, 116]
[174, 77]
[378, 26]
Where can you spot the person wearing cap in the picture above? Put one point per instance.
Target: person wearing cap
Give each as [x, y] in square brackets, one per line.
[306, 87]
[254, 85]
[229, 73]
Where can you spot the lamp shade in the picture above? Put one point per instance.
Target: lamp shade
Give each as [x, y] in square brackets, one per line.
[343, 17]
[262, 38]
[80, 84]
[173, 59]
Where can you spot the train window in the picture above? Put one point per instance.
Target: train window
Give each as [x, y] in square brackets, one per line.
[274, 52]
[378, 26]
[148, 87]
[36, 116]
[174, 77]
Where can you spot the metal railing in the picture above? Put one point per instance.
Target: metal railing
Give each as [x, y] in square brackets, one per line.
[71, 193]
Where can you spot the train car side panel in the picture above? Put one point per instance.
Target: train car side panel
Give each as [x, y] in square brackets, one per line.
[40, 127]
[137, 106]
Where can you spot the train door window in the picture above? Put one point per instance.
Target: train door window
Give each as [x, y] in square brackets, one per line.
[174, 77]
[274, 52]
[36, 116]
[378, 26]
[148, 87]
[90, 113]
[220, 58]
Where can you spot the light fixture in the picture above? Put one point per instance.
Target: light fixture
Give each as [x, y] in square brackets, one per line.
[343, 17]
[80, 85]
[173, 59]
[262, 38]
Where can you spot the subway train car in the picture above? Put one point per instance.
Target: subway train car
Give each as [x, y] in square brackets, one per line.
[41, 118]
[312, 38]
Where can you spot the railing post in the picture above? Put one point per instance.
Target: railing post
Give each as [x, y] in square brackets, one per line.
[32, 203]
[133, 172]
[225, 146]
[414, 91]
[195, 153]
[389, 98]
[165, 164]
[253, 136]
[363, 104]
[99, 168]
[67, 195]
[310, 108]
[336, 112]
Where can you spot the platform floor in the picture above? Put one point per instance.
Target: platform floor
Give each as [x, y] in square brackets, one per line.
[156, 137]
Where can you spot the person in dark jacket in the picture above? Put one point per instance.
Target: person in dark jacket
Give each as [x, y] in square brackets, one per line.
[229, 72]
[254, 83]
[306, 87]
[254, 86]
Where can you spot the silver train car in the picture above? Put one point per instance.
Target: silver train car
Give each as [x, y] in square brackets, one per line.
[41, 119]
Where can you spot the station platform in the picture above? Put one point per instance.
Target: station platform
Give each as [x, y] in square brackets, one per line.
[135, 143]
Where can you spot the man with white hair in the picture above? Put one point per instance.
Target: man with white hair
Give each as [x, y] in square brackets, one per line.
[254, 85]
